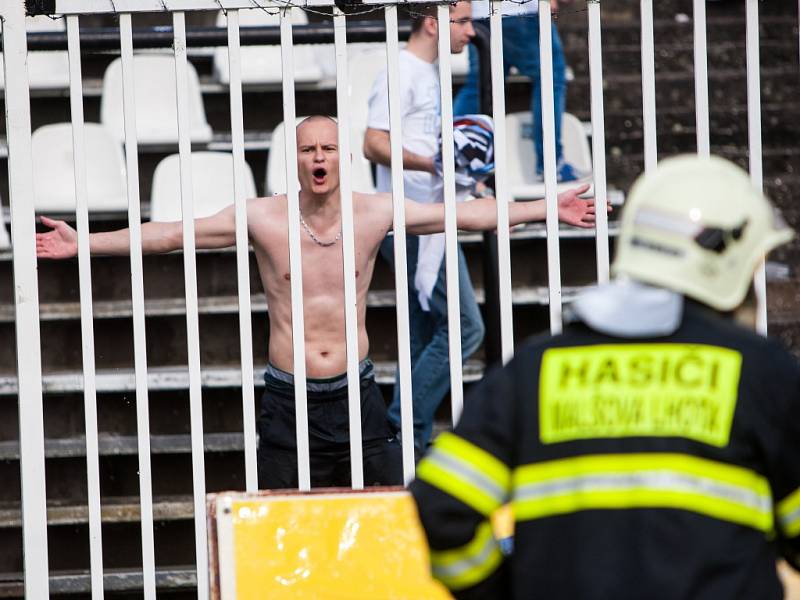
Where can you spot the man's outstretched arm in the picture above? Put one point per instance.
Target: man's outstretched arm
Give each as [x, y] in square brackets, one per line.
[481, 214]
[216, 231]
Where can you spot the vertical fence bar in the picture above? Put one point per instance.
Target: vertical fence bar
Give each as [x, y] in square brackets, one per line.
[551, 196]
[137, 298]
[192, 318]
[242, 253]
[87, 318]
[450, 231]
[754, 142]
[399, 228]
[648, 86]
[502, 191]
[598, 140]
[295, 258]
[701, 78]
[26, 302]
[348, 250]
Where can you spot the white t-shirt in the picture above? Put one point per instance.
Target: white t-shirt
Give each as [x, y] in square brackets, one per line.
[421, 115]
[509, 8]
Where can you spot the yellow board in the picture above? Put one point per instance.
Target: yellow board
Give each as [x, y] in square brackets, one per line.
[366, 546]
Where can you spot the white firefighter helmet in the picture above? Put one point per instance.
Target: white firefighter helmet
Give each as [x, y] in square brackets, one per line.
[698, 226]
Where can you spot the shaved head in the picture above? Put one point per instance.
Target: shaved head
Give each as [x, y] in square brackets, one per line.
[315, 120]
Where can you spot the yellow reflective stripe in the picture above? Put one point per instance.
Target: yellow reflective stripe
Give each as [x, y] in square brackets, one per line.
[470, 564]
[789, 514]
[643, 481]
[483, 461]
[627, 463]
[467, 473]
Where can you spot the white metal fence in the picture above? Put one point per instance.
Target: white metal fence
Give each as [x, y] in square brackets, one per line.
[24, 255]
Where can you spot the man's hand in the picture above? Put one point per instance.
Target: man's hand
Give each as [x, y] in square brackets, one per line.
[61, 242]
[577, 211]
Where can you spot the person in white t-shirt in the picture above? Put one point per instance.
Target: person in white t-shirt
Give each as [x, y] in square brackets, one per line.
[421, 129]
[420, 101]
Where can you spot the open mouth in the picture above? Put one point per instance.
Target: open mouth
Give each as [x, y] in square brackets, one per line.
[319, 175]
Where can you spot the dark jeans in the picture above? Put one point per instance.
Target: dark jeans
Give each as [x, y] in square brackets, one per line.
[430, 341]
[328, 431]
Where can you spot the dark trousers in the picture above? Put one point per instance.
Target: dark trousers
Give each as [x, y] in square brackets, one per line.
[329, 433]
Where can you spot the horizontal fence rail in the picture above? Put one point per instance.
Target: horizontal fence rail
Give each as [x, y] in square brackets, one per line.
[95, 39]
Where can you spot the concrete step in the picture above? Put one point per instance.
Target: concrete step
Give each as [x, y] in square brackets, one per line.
[171, 474]
[163, 274]
[163, 307]
[779, 165]
[166, 337]
[621, 24]
[127, 445]
[69, 583]
[177, 378]
[169, 412]
[678, 55]
[113, 510]
[784, 301]
[675, 90]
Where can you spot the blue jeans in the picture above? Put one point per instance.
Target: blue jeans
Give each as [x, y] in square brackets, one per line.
[430, 360]
[521, 50]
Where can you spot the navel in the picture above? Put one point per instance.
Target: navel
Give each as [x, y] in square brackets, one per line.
[286, 276]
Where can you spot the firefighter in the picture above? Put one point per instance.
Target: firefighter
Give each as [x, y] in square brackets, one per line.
[653, 449]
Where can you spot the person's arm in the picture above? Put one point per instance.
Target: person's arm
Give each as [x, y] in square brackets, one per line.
[216, 231]
[377, 148]
[481, 214]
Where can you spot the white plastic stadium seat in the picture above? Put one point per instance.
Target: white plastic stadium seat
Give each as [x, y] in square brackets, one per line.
[326, 56]
[522, 157]
[53, 169]
[156, 108]
[5, 240]
[262, 64]
[367, 63]
[276, 166]
[46, 69]
[212, 185]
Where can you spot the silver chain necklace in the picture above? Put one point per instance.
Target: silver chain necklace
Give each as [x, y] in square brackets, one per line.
[315, 239]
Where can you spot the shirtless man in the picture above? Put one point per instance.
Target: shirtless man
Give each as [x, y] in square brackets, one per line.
[323, 293]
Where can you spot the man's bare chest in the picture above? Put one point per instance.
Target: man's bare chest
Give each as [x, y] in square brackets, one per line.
[322, 266]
